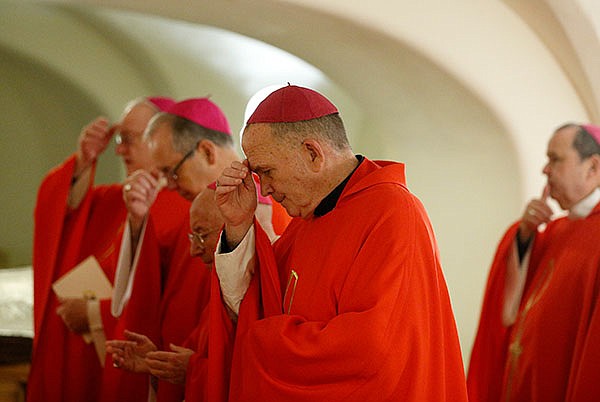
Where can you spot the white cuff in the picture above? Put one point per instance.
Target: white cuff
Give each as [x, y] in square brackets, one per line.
[235, 270]
[516, 275]
[96, 328]
[126, 270]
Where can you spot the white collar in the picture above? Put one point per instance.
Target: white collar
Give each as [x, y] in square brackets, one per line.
[584, 207]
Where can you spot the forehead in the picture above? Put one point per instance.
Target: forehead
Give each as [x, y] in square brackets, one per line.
[204, 212]
[136, 120]
[161, 145]
[562, 141]
[260, 146]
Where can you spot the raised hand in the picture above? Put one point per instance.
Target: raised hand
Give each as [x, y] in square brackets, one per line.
[536, 213]
[130, 354]
[170, 366]
[237, 199]
[139, 192]
[93, 140]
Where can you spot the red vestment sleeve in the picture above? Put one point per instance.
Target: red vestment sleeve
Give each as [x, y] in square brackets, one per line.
[196, 373]
[584, 385]
[488, 356]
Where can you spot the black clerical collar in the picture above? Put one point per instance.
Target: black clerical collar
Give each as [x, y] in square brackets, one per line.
[328, 203]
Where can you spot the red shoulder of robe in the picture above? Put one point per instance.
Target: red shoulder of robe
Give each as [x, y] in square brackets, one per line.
[368, 317]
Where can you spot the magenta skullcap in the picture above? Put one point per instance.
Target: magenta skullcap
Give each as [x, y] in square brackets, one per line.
[202, 112]
[290, 104]
[161, 102]
[594, 131]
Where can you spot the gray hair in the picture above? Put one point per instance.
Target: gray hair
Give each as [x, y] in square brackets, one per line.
[584, 143]
[187, 134]
[329, 127]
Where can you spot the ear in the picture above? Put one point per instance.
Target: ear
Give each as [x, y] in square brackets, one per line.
[208, 149]
[595, 166]
[314, 154]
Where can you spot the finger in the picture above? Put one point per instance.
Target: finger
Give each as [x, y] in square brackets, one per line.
[159, 365]
[135, 337]
[161, 355]
[545, 193]
[111, 131]
[176, 348]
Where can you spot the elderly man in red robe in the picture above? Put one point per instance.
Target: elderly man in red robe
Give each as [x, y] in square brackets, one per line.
[74, 220]
[538, 337]
[350, 303]
[191, 143]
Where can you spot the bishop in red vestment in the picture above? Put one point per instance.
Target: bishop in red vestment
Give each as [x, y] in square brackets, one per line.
[350, 304]
[73, 220]
[540, 321]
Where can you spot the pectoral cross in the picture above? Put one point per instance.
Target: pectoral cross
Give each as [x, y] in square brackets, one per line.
[515, 349]
[288, 297]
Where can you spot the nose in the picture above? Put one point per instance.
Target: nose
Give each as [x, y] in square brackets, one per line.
[120, 149]
[195, 249]
[546, 169]
[265, 188]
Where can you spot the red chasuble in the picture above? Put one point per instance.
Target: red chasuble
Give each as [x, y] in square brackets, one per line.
[350, 306]
[166, 308]
[65, 368]
[553, 352]
[142, 313]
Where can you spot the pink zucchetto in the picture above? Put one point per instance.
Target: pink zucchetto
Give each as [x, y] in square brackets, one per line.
[594, 131]
[161, 102]
[202, 112]
[291, 104]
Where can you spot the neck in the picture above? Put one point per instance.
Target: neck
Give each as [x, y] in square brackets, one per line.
[226, 157]
[585, 206]
[336, 173]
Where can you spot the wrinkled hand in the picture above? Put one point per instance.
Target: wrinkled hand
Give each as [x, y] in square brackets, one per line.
[93, 140]
[140, 190]
[130, 354]
[170, 366]
[537, 212]
[74, 314]
[236, 198]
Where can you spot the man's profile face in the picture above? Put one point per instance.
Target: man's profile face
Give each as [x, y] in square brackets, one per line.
[167, 159]
[205, 226]
[567, 174]
[282, 169]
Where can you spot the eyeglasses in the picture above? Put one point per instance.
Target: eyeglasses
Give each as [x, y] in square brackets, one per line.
[172, 174]
[200, 238]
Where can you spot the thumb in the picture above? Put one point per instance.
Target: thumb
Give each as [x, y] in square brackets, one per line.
[176, 348]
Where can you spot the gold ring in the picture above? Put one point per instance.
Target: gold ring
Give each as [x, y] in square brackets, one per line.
[531, 211]
[127, 187]
[115, 364]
